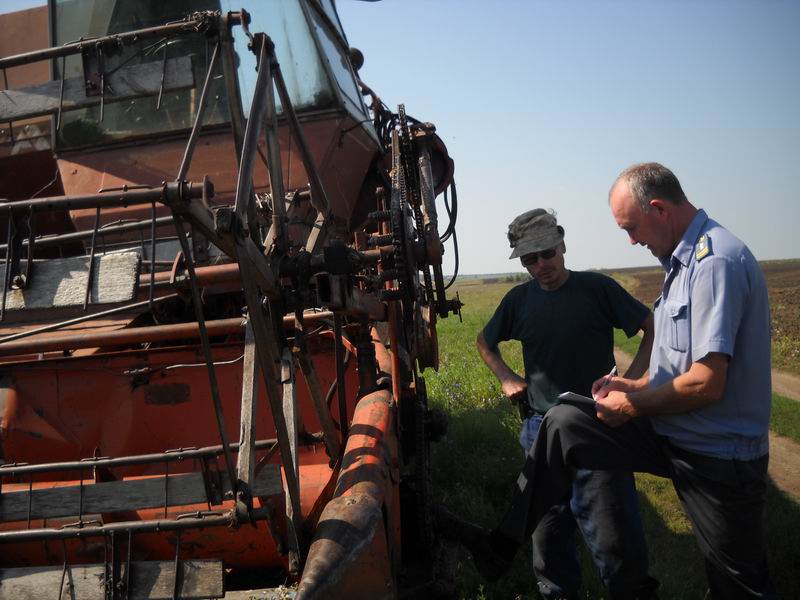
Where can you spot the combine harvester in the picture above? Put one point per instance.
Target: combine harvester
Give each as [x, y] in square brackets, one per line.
[214, 313]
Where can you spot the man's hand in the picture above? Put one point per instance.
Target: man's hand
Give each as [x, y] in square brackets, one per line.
[514, 387]
[606, 384]
[614, 408]
[601, 383]
[612, 403]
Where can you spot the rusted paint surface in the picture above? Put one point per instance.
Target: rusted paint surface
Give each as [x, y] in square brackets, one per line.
[168, 393]
[349, 556]
[78, 405]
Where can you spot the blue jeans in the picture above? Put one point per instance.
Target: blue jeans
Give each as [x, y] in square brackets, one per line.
[605, 508]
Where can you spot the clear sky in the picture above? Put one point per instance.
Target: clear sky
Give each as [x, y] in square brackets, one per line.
[543, 103]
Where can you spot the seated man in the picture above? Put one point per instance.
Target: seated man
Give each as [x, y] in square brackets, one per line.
[565, 321]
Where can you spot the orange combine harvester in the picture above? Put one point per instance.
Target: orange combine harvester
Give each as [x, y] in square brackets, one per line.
[221, 275]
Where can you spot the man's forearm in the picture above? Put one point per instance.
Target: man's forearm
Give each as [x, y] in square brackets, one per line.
[512, 385]
[701, 385]
[641, 361]
[494, 360]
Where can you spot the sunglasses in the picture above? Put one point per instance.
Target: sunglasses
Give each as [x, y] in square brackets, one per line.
[533, 257]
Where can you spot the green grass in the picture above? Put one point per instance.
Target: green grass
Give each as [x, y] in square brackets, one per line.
[475, 466]
[785, 417]
[628, 344]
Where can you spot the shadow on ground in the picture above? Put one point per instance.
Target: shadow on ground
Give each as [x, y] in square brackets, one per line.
[474, 469]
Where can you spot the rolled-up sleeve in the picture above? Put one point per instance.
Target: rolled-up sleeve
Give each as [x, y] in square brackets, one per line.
[499, 328]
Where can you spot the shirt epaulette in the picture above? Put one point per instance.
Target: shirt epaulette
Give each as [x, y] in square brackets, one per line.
[702, 247]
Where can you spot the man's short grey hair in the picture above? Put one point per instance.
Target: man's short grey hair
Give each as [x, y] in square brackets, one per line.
[651, 180]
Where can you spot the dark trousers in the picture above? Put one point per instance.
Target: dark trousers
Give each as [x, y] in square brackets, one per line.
[605, 508]
[724, 499]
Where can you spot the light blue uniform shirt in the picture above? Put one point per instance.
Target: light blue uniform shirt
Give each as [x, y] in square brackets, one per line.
[714, 299]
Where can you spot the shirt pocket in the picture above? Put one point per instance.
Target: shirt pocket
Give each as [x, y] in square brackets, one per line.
[678, 321]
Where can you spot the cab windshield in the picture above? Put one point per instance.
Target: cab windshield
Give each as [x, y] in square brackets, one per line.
[309, 45]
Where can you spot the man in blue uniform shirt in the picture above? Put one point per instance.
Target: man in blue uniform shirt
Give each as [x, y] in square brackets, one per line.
[702, 417]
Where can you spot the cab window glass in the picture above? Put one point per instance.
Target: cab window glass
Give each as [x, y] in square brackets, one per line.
[137, 117]
[285, 23]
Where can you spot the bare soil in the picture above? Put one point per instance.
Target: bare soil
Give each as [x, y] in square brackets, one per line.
[783, 283]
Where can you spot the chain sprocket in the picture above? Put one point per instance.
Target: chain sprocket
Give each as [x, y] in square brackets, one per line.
[412, 195]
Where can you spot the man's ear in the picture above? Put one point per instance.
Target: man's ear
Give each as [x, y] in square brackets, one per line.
[660, 207]
[563, 247]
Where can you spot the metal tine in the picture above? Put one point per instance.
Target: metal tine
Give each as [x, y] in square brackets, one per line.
[106, 589]
[7, 274]
[338, 350]
[206, 482]
[61, 93]
[10, 123]
[80, 500]
[101, 66]
[30, 499]
[177, 563]
[63, 569]
[152, 253]
[198, 119]
[141, 245]
[90, 274]
[128, 566]
[166, 487]
[113, 566]
[163, 75]
[31, 244]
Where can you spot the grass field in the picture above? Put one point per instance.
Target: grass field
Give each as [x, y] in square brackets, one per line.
[475, 467]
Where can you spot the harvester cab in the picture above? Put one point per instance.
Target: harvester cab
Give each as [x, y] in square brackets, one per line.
[221, 277]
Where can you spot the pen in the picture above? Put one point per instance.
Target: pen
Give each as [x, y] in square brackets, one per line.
[611, 374]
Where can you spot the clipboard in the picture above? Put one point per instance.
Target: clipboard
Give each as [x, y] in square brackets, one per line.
[573, 398]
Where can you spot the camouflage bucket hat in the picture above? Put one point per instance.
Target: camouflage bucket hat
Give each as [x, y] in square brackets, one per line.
[533, 231]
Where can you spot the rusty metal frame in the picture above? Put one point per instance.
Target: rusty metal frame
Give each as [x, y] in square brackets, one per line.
[103, 462]
[192, 520]
[199, 21]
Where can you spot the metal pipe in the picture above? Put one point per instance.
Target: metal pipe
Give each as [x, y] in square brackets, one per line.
[288, 322]
[255, 122]
[125, 197]
[274, 170]
[338, 350]
[82, 318]
[136, 335]
[227, 519]
[63, 238]
[198, 119]
[231, 77]
[126, 461]
[187, 26]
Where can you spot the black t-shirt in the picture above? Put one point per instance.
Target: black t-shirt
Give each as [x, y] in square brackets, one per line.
[567, 334]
